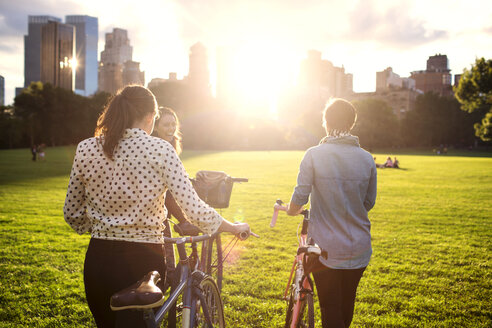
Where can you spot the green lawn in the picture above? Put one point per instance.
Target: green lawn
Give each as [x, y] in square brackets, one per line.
[431, 228]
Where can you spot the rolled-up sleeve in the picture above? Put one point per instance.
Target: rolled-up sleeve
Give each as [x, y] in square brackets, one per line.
[180, 187]
[75, 208]
[372, 187]
[304, 181]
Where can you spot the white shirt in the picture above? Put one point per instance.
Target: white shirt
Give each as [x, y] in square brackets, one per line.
[123, 198]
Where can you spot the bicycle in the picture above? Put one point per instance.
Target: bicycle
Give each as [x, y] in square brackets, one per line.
[214, 188]
[202, 304]
[299, 291]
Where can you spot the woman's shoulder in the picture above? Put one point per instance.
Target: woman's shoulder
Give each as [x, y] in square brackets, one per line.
[89, 142]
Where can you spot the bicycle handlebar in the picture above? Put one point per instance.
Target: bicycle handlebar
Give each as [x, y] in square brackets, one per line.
[280, 207]
[190, 239]
[276, 208]
[195, 239]
[244, 235]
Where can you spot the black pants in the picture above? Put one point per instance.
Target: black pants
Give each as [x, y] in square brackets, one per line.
[114, 265]
[336, 292]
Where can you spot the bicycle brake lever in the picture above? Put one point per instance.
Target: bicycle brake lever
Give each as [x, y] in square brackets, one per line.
[244, 235]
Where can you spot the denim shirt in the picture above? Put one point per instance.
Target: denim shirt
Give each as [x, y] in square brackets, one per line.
[341, 179]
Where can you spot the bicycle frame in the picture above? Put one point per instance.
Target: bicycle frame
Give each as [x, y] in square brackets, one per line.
[185, 287]
[301, 284]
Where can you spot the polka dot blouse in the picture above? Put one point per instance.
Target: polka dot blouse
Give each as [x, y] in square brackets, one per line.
[123, 198]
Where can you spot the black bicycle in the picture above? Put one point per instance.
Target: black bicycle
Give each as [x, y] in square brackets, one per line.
[215, 188]
[196, 297]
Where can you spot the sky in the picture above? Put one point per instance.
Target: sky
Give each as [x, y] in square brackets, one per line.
[271, 37]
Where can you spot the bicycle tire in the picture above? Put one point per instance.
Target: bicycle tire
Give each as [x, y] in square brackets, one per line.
[288, 314]
[212, 260]
[306, 314]
[213, 303]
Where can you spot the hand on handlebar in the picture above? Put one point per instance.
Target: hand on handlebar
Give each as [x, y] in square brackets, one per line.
[244, 231]
[291, 209]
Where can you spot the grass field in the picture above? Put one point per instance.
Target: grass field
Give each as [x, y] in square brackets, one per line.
[431, 228]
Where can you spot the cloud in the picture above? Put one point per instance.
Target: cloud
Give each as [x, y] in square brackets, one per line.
[13, 14]
[391, 26]
[7, 48]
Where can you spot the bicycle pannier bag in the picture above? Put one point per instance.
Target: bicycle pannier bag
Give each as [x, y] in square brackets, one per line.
[213, 187]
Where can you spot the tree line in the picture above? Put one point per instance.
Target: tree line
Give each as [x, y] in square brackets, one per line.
[54, 116]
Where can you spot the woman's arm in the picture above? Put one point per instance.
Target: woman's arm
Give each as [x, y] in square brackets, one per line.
[74, 210]
[195, 209]
[372, 189]
[302, 191]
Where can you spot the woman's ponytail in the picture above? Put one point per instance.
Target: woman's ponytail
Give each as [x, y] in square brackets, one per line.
[127, 106]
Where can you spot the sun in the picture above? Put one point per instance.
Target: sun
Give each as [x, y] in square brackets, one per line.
[260, 71]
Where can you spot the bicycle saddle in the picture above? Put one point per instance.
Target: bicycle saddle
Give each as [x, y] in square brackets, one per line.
[144, 294]
[310, 250]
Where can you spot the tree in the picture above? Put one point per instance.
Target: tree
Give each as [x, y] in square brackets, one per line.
[474, 92]
[437, 120]
[377, 125]
[51, 115]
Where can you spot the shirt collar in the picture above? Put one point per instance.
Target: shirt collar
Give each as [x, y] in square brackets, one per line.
[134, 133]
[347, 139]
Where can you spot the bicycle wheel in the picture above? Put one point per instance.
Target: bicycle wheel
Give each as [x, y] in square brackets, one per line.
[306, 316]
[306, 312]
[212, 260]
[213, 303]
[288, 315]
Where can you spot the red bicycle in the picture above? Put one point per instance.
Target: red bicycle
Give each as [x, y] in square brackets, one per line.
[299, 290]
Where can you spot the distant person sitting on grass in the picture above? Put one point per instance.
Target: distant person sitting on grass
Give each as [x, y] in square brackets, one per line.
[339, 178]
[396, 164]
[388, 163]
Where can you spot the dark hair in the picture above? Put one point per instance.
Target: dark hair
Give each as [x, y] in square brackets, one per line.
[176, 142]
[339, 116]
[130, 104]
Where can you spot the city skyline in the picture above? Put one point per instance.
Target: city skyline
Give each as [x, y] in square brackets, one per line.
[362, 36]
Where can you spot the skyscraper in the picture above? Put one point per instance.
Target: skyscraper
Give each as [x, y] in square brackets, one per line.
[116, 68]
[320, 77]
[117, 49]
[32, 48]
[199, 75]
[58, 54]
[2, 91]
[86, 32]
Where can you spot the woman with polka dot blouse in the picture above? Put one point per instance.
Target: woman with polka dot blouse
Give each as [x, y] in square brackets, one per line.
[116, 192]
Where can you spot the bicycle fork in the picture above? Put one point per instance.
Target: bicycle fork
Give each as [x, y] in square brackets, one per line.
[300, 287]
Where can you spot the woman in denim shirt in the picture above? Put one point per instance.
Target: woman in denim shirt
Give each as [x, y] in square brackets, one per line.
[340, 177]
